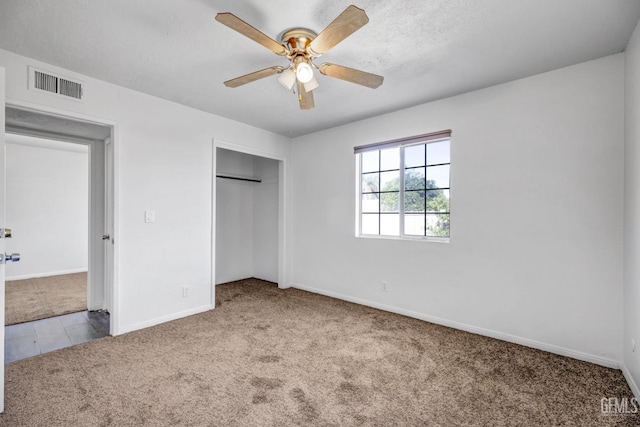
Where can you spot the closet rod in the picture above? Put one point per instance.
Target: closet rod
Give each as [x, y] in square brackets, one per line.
[237, 178]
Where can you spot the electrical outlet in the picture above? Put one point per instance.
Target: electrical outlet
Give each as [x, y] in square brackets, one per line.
[186, 291]
[149, 216]
[384, 287]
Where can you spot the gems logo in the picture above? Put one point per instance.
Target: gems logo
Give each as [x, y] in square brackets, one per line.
[619, 406]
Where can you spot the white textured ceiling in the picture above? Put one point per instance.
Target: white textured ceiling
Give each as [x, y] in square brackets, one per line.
[425, 49]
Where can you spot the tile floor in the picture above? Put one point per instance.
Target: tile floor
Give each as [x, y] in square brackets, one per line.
[42, 336]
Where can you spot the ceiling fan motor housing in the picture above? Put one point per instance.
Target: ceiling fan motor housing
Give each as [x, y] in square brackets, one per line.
[297, 40]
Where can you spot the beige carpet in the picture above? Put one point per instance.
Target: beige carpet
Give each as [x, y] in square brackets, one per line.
[33, 299]
[269, 357]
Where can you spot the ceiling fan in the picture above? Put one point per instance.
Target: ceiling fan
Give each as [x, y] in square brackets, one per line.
[301, 46]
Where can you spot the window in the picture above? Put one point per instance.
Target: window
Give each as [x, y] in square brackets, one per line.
[403, 187]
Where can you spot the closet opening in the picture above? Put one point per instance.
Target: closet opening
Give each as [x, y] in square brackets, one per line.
[248, 217]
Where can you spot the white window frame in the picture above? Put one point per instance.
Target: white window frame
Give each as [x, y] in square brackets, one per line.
[401, 144]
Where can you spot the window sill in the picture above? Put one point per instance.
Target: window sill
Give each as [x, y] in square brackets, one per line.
[406, 238]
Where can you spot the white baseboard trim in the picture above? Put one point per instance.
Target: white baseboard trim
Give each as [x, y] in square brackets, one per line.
[158, 320]
[630, 381]
[609, 363]
[52, 273]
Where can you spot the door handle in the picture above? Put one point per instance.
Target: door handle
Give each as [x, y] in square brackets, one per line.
[14, 257]
[105, 237]
[5, 233]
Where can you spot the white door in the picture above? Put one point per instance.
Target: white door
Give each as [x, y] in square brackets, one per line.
[3, 246]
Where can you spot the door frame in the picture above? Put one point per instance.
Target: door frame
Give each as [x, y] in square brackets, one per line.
[109, 205]
[2, 225]
[282, 203]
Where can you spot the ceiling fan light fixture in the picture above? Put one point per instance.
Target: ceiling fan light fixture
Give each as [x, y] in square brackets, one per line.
[304, 72]
[311, 84]
[287, 78]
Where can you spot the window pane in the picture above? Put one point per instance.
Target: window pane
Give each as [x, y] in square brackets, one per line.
[438, 176]
[390, 159]
[370, 224]
[438, 201]
[390, 224]
[438, 225]
[370, 161]
[370, 202]
[389, 202]
[438, 152]
[414, 225]
[414, 201]
[390, 181]
[414, 156]
[370, 182]
[414, 179]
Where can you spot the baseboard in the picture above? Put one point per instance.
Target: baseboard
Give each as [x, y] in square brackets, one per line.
[158, 320]
[632, 383]
[53, 273]
[609, 363]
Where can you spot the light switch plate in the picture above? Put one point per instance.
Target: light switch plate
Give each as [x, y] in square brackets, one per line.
[149, 216]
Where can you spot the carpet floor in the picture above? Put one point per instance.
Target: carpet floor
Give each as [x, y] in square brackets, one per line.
[270, 357]
[33, 299]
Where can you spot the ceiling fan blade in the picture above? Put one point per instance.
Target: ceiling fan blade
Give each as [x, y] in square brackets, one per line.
[348, 22]
[252, 77]
[351, 75]
[235, 23]
[305, 98]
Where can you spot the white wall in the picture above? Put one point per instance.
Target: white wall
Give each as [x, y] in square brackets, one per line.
[247, 218]
[265, 220]
[163, 154]
[536, 225]
[234, 217]
[632, 214]
[47, 206]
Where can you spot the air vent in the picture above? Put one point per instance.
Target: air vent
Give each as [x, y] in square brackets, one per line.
[69, 88]
[55, 84]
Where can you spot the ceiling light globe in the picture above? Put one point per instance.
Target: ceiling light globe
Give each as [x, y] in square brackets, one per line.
[287, 78]
[304, 72]
[311, 84]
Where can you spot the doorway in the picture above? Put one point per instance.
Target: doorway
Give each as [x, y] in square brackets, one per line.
[95, 140]
[47, 205]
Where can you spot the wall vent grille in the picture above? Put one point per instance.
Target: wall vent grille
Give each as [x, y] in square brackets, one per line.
[55, 84]
[69, 88]
[46, 82]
